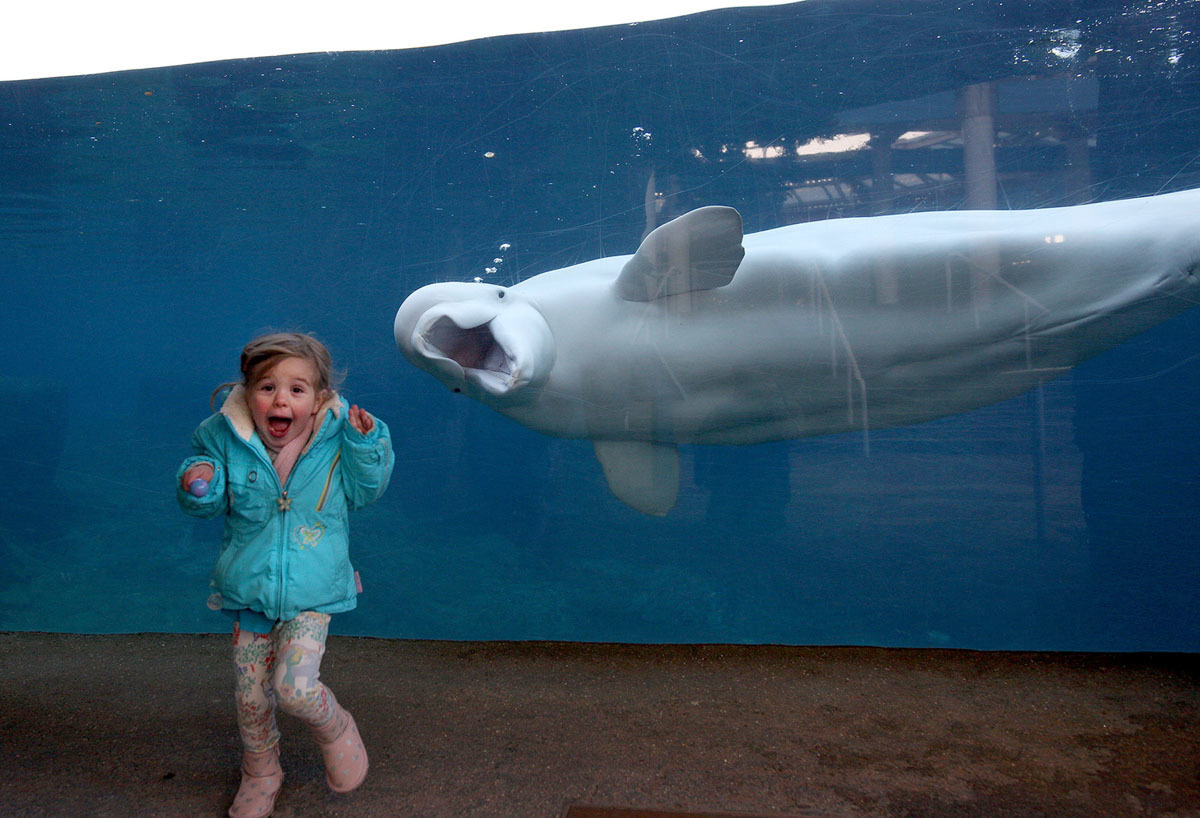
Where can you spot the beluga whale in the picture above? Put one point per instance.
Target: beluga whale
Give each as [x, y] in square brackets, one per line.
[709, 336]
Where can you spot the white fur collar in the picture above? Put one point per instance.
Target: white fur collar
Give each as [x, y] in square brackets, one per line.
[237, 411]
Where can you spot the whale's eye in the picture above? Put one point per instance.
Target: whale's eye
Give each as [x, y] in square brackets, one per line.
[501, 293]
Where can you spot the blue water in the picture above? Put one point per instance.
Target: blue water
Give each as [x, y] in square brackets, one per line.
[153, 221]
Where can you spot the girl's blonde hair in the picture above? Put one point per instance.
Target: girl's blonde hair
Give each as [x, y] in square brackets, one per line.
[264, 352]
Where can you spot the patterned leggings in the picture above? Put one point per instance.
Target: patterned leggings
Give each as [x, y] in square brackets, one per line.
[280, 669]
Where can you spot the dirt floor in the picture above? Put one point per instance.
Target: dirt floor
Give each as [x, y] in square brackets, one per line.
[143, 726]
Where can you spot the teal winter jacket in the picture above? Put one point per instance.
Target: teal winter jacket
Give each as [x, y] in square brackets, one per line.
[286, 548]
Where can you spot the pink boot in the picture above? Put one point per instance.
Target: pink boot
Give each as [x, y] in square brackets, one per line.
[261, 779]
[343, 751]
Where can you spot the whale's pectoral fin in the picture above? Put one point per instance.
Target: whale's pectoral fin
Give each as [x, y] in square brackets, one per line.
[644, 475]
[700, 250]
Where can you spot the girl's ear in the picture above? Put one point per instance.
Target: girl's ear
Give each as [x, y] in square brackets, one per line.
[322, 396]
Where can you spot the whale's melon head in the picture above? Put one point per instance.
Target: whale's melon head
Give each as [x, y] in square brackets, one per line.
[479, 339]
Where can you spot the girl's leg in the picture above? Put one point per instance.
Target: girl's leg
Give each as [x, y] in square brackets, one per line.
[301, 645]
[253, 661]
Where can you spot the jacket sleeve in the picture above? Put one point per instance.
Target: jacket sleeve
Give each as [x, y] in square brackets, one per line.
[366, 463]
[214, 502]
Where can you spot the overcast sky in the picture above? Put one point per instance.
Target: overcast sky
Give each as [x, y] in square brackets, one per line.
[68, 37]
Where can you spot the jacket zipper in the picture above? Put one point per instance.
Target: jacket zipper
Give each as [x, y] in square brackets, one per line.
[285, 505]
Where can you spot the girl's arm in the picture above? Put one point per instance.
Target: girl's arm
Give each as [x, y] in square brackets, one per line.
[207, 464]
[366, 457]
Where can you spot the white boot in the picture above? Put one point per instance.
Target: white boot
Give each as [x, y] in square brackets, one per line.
[343, 751]
[261, 779]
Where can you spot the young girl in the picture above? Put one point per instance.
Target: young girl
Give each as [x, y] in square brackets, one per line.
[284, 461]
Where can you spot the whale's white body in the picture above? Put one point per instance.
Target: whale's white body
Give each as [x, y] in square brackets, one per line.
[819, 328]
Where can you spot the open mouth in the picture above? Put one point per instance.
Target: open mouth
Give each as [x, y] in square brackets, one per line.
[472, 348]
[278, 426]
[473, 353]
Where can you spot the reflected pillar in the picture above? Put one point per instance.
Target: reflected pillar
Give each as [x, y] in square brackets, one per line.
[883, 187]
[1078, 173]
[883, 192]
[977, 104]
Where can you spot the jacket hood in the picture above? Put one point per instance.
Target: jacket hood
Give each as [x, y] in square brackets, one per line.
[237, 411]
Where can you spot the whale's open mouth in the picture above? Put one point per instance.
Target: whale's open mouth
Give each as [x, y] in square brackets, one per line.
[470, 348]
[483, 359]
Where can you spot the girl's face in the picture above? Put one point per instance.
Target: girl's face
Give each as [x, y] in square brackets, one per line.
[284, 401]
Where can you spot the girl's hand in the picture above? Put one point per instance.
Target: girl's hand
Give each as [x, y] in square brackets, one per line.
[200, 471]
[361, 420]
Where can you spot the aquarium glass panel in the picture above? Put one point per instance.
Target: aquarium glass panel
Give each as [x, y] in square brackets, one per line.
[916, 414]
